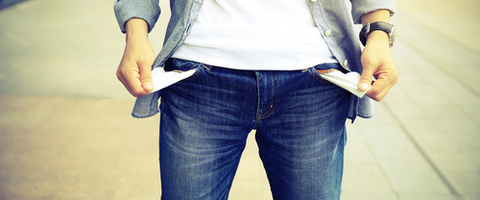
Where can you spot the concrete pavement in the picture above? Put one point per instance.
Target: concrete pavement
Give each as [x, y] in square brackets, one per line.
[66, 130]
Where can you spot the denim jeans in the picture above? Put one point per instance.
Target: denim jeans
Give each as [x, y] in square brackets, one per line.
[299, 120]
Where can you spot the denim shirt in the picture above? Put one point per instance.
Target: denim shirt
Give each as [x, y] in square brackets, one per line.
[334, 19]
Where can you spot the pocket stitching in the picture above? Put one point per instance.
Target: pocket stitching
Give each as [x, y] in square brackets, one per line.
[317, 76]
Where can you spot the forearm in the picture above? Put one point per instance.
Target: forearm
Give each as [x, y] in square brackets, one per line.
[378, 15]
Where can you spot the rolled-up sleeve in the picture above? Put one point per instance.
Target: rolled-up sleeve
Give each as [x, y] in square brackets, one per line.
[361, 7]
[148, 10]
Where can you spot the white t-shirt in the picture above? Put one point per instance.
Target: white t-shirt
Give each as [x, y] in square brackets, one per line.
[256, 35]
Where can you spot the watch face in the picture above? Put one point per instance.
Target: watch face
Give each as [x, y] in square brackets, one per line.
[392, 35]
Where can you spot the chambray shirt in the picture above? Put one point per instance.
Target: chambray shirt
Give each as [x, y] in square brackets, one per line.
[334, 19]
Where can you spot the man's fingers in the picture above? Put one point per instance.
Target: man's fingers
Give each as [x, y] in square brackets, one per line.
[146, 76]
[365, 79]
[131, 79]
[378, 90]
[382, 85]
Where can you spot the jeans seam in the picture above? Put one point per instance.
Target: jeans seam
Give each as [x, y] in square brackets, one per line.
[269, 112]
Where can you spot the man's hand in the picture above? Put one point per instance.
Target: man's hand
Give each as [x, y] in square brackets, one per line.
[377, 59]
[377, 62]
[135, 68]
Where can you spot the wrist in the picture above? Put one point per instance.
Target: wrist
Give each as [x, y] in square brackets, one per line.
[378, 37]
[136, 29]
[135, 38]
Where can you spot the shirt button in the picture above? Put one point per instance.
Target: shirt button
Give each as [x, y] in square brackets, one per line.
[345, 63]
[328, 32]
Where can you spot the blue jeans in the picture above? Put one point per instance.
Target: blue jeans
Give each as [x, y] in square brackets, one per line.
[299, 120]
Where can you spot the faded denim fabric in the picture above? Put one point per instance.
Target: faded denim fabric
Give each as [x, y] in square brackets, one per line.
[299, 120]
[334, 18]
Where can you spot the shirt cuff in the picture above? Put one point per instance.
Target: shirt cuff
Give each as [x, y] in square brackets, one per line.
[148, 10]
[360, 8]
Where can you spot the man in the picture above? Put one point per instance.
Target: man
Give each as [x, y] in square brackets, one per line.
[258, 65]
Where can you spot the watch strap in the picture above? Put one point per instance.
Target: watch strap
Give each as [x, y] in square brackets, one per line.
[375, 26]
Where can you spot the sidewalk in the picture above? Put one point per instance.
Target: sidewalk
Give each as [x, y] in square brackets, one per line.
[66, 130]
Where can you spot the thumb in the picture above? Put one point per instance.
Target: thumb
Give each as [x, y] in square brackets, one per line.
[146, 77]
[365, 79]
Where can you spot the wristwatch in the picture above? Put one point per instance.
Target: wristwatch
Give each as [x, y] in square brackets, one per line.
[378, 26]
